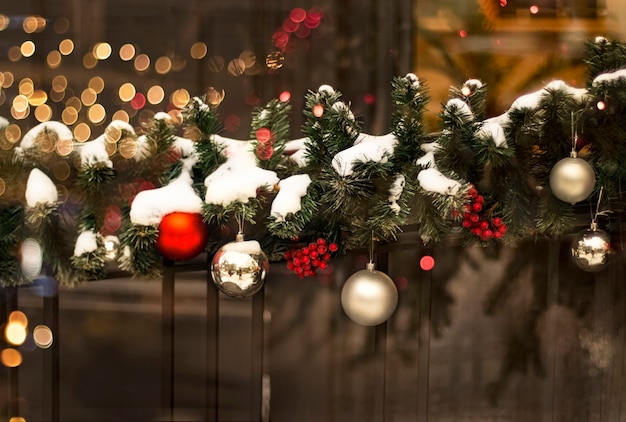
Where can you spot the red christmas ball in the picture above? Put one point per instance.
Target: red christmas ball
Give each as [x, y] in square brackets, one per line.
[182, 236]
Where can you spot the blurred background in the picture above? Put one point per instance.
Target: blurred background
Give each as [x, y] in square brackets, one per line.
[497, 334]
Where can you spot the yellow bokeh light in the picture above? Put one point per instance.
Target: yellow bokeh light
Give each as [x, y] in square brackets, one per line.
[59, 83]
[236, 67]
[248, 57]
[180, 98]
[20, 103]
[96, 113]
[61, 169]
[17, 419]
[75, 103]
[20, 114]
[121, 115]
[27, 48]
[30, 24]
[155, 94]
[13, 133]
[69, 116]
[53, 59]
[43, 336]
[61, 25]
[89, 61]
[163, 65]
[14, 53]
[41, 24]
[127, 92]
[57, 97]
[198, 50]
[142, 62]
[8, 79]
[97, 84]
[4, 22]
[66, 47]
[88, 97]
[18, 317]
[43, 113]
[102, 51]
[15, 333]
[82, 132]
[38, 98]
[26, 87]
[127, 52]
[11, 358]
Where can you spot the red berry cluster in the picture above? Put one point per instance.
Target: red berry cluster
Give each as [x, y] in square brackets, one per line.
[480, 226]
[306, 260]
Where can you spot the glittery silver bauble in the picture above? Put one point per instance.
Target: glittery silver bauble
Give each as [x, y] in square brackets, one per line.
[591, 249]
[112, 247]
[369, 297]
[238, 268]
[572, 179]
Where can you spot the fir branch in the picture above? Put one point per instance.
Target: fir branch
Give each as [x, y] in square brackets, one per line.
[139, 254]
[294, 223]
[555, 217]
[90, 265]
[272, 123]
[11, 221]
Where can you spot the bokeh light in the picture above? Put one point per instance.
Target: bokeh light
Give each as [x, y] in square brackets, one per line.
[43, 113]
[163, 65]
[127, 52]
[236, 67]
[127, 92]
[66, 47]
[61, 25]
[88, 97]
[142, 62]
[318, 110]
[69, 115]
[427, 263]
[180, 98]
[11, 358]
[27, 48]
[216, 64]
[534, 9]
[53, 59]
[138, 102]
[15, 333]
[90, 61]
[102, 51]
[97, 84]
[42, 335]
[4, 22]
[284, 96]
[82, 132]
[198, 50]
[155, 94]
[601, 105]
[96, 114]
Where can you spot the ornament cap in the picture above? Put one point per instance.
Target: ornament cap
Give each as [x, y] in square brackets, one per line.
[594, 226]
[370, 266]
[573, 154]
[239, 237]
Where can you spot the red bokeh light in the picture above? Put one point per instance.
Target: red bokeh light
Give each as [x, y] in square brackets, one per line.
[284, 96]
[462, 33]
[138, 102]
[112, 219]
[534, 9]
[318, 110]
[297, 15]
[369, 99]
[290, 26]
[232, 123]
[263, 135]
[427, 263]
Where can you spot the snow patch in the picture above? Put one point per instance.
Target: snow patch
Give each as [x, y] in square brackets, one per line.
[86, 242]
[371, 148]
[40, 189]
[432, 180]
[289, 197]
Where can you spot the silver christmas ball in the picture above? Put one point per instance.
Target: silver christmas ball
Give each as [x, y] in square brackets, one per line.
[572, 179]
[369, 297]
[591, 249]
[239, 268]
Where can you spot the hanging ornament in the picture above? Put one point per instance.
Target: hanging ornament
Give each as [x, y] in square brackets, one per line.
[182, 236]
[369, 297]
[239, 268]
[572, 179]
[591, 247]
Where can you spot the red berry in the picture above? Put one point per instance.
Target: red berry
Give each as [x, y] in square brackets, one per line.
[497, 235]
[290, 266]
[333, 247]
[474, 218]
[484, 224]
[467, 207]
[473, 192]
[312, 246]
[288, 255]
[316, 262]
[323, 265]
[314, 254]
[326, 257]
[298, 270]
[321, 241]
[476, 207]
[305, 251]
[297, 262]
[497, 221]
[477, 231]
[467, 224]
[502, 228]
[306, 260]
[480, 199]
[488, 234]
[321, 249]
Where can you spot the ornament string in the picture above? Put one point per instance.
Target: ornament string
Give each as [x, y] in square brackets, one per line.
[594, 220]
[370, 265]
